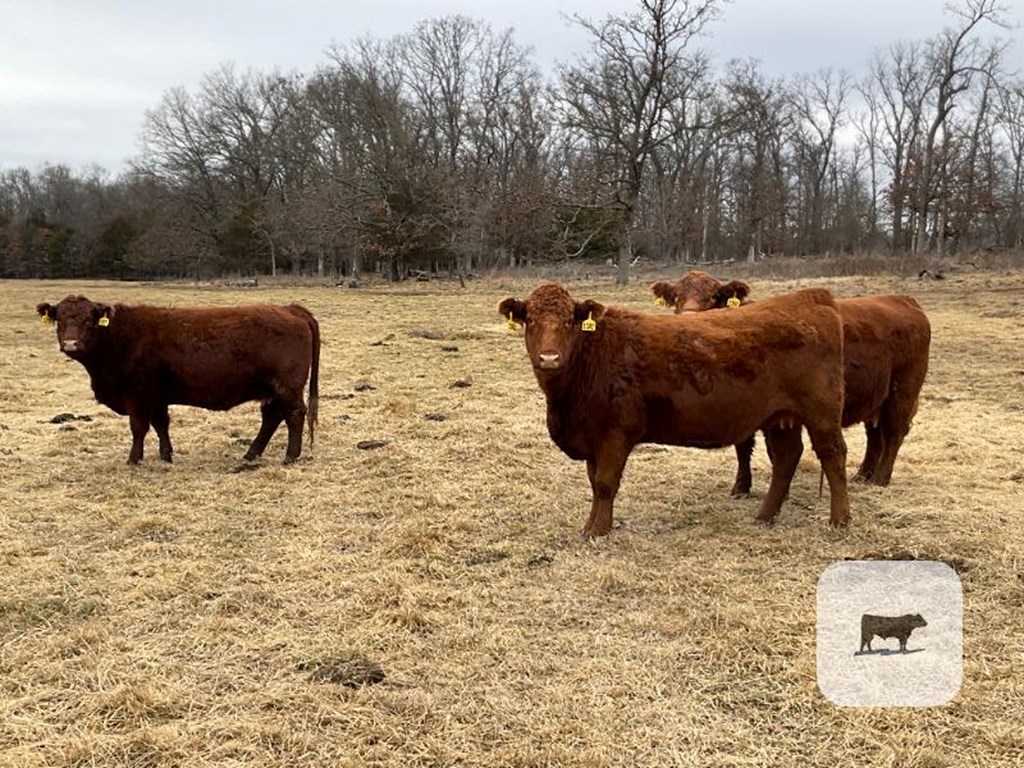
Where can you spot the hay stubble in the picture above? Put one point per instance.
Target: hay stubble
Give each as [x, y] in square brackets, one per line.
[170, 615]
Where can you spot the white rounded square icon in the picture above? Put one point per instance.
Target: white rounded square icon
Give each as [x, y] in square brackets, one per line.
[889, 633]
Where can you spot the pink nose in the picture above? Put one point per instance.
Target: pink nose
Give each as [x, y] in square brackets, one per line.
[70, 345]
[690, 306]
[549, 359]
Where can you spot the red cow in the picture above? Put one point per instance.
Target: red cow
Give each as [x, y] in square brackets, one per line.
[887, 341]
[697, 291]
[615, 378]
[142, 359]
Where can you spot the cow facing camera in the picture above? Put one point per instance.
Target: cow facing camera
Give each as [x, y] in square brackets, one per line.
[889, 633]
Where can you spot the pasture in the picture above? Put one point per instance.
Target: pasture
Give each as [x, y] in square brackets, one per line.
[192, 615]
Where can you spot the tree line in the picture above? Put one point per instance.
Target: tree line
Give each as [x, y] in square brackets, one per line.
[447, 148]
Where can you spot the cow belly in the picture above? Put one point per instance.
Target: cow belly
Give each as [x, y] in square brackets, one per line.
[864, 395]
[216, 396]
[700, 423]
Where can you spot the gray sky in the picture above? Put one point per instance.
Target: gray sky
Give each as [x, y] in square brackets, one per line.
[76, 76]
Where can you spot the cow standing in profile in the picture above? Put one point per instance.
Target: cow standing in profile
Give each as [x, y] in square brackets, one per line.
[141, 359]
[615, 378]
[885, 627]
[886, 340]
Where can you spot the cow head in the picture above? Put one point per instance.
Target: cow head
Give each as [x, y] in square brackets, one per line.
[554, 324]
[81, 324]
[917, 620]
[664, 293]
[698, 291]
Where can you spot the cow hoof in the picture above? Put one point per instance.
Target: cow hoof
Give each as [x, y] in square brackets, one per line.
[841, 522]
[766, 520]
[168, 458]
[739, 494]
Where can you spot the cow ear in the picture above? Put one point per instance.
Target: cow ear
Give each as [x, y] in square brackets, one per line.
[733, 289]
[513, 309]
[103, 314]
[47, 312]
[587, 310]
[664, 293]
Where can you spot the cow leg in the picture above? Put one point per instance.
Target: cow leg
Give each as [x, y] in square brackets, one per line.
[272, 418]
[294, 418]
[830, 448]
[869, 466]
[605, 473]
[140, 426]
[744, 479]
[161, 420]
[894, 425]
[785, 447]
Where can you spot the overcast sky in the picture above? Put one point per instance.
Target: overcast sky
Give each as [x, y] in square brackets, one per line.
[76, 76]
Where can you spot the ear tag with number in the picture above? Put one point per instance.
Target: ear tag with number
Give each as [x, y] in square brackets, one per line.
[733, 302]
[512, 324]
[45, 319]
[103, 321]
[589, 324]
[660, 302]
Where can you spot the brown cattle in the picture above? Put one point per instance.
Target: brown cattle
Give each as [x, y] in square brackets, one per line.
[887, 340]
[142, 359]
[885, 627]
[698, 291]
[615, 378]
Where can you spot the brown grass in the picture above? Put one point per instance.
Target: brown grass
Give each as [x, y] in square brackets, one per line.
[188, 615]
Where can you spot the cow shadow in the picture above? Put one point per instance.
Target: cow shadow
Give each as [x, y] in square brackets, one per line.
[888, 652]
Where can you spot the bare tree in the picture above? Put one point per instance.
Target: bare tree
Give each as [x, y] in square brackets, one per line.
[955, 59]
[617, 99]
[819, 105]
[868, 126]
[1011, 120]
[895, 91]
[756, 164]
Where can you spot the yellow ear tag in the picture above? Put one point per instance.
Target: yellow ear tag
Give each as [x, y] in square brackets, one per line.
[45, 319]
[103, 321]
[589, 324]
[660, 302]
[512, 324]
[733, 302]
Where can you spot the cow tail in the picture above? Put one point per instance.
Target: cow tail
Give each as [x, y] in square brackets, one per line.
[314, 379]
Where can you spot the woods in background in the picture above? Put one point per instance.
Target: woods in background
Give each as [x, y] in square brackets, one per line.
[448, 149]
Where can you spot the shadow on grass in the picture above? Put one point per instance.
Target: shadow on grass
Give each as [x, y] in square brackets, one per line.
[887, 652]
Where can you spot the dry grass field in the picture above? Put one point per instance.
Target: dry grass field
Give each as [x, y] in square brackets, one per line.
[191, 615]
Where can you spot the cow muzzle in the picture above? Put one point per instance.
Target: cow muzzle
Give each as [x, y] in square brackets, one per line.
[69, 345]
[549, 360]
